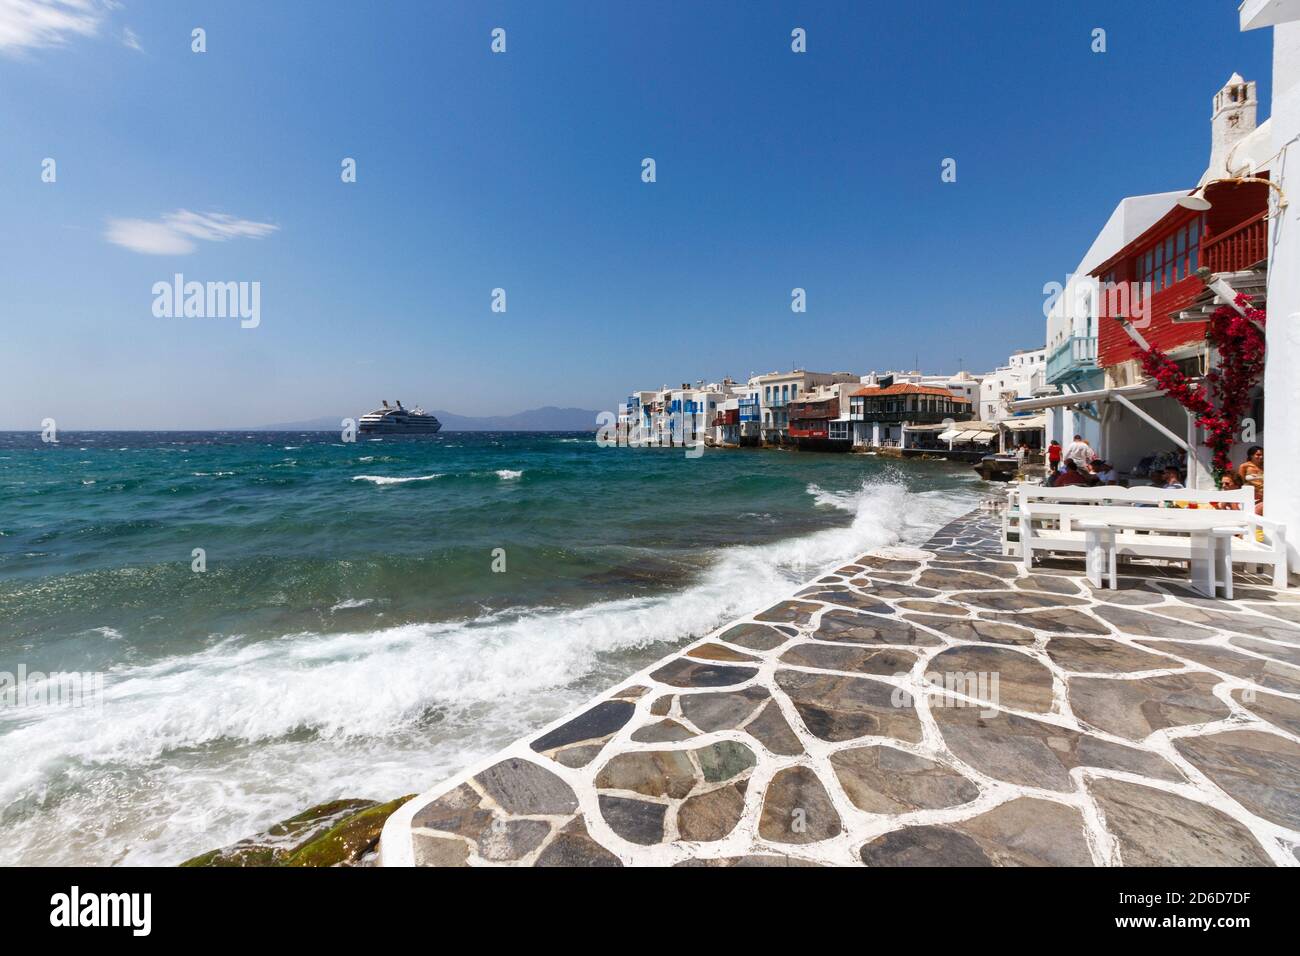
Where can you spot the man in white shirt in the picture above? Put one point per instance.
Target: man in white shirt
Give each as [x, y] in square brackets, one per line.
[1105, 473]
[1080, 452]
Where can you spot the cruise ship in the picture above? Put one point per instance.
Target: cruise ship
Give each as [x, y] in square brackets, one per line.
[396, 420]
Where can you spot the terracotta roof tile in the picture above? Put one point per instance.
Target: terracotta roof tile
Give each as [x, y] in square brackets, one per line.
[907, 388]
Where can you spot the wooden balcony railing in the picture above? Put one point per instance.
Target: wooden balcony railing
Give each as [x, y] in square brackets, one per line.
[825, 408]
[1239, 247]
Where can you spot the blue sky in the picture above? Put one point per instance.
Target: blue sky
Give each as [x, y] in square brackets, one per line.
[522, 171]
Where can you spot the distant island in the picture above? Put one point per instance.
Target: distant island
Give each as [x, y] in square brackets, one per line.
[549, 418]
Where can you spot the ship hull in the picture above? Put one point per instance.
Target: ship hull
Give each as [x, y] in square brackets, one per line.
[387, 428]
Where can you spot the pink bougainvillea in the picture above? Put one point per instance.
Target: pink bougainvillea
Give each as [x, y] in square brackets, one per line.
[1221, 402]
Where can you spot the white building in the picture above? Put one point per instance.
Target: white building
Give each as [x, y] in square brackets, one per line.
[1007, 383]
[963, 385]
[1282, 373]
[778, 389]
[1072, 319]
[1151, 253]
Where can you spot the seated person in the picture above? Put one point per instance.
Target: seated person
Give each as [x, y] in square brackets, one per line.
[1172, 479]
[1104, 473]
[1251, 473]
[1070, 475]
[1229, 482]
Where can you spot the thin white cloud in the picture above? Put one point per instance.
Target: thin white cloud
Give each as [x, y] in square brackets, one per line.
[131, 40]
[29, 24]
[174, 233]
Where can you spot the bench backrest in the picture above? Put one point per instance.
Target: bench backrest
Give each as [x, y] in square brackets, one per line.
[1114, 495]
[1070, 513]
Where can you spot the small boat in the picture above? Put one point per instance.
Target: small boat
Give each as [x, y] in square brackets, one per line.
[997, 467]
[396, 420]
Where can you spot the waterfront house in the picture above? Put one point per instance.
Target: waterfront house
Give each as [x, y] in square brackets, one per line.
[1073, 318]
[1282, 374]
[750, 413]
[1229, 239]
[1152, 283]
[878, 414]
[689, 411]
[821, 419]
[726, 423]
[636, 416]
[778, 389]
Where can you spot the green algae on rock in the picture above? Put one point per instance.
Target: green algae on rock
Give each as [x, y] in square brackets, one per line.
[338, 833]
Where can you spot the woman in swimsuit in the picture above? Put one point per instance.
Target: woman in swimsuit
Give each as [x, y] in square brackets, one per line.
[1251, 472]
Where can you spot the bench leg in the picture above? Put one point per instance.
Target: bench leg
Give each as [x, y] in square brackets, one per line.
[1094, 557]
[1202, 564]
[1279, 573]
[1223, 563]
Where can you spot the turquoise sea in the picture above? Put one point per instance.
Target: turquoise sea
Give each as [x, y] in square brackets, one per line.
[348, 635]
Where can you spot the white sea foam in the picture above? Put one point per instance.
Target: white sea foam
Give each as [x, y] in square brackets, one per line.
[351, 603]
[505, 474]
[258, 710]
[387, 480]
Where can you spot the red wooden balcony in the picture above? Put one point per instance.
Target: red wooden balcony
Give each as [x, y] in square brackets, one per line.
[1155, 276]
[1239, 247]
[809, 428]
[827, 408]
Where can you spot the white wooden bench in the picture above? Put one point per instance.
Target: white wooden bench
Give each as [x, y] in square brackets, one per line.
[1048, 520]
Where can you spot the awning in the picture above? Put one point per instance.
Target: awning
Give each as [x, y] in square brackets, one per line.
[1026, 421]
[976, 435]
[1131, 392]
[1126, 397]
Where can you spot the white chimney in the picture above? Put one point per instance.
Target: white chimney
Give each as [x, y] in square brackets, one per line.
[1233, 118]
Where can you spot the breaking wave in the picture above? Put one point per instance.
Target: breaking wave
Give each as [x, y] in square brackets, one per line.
[373, 712]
